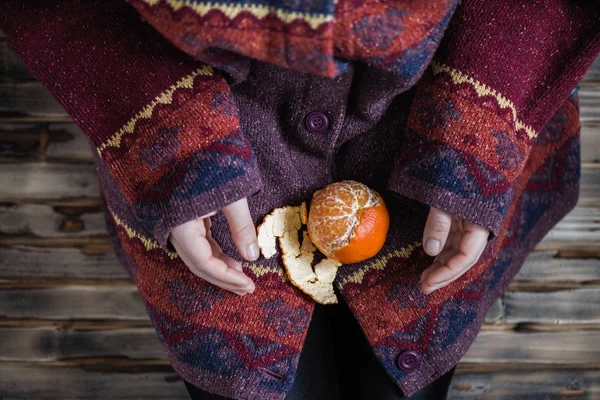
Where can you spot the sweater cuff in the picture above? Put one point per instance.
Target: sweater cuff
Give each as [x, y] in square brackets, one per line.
[182, 156]
[206, 181]
[182, 210]
[462, 150]
[481, 210]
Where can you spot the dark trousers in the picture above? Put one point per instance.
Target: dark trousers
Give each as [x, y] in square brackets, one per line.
[338, 363]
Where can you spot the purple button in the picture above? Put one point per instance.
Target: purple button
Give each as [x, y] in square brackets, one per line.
[317, 122]
[409, 360]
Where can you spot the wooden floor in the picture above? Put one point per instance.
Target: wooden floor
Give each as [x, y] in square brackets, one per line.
[72, 324]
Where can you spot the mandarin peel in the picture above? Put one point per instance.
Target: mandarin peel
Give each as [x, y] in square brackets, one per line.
[282, 225]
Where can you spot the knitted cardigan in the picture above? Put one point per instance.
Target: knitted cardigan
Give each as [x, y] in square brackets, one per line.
[190, 106]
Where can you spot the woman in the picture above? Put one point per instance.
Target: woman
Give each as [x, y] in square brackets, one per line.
[463, 116]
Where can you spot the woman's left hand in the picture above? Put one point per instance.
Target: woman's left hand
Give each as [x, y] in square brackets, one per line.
[457, 245]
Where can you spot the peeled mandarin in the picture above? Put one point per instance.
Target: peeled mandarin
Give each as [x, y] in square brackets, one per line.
[348, 221]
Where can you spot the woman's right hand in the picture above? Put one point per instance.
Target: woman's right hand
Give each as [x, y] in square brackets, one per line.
[203, 256]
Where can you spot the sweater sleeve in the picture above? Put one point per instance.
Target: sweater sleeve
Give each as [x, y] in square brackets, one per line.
[163, 125]
[502, 70]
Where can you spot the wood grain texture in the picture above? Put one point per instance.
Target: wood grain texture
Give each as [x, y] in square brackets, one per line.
[35, 262]
[73, 302]
[548, 266]
[553, 348]
[68, 142]
[19, 140]
[45, 221]
[562, 307]
[46, 181]
[547, 384]
[65, 141]
[11, 68]
[495, 312]
[28, 99]
[592, 76]
[589, 103]
[589, 193]
[590, 142]
[37, 382]
[581, 225]
[51, 344]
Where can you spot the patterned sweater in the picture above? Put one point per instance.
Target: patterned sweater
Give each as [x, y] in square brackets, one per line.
[190, 106]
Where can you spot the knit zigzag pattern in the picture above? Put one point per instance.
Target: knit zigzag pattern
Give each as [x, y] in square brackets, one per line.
[468, 141]
[392, 37]
[185, 146]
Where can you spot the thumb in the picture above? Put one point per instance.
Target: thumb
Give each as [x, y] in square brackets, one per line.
[436, 231]
[242, 229]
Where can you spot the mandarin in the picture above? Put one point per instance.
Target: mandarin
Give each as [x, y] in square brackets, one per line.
[348, 221]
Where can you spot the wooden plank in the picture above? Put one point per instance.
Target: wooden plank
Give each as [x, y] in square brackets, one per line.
[67, 141]
[547, 384]
[51, 344]
[72, 302]
[549, 266]
[11, 68]
[564, 307]
[28, 99]
[582, 224]
[31, 262]
[19, 140]
[589, 193]
[82, 242]
[495, 312]
[554, 348]
[45, 221]
[589, 103]
[593, 74]
[590, 142]
[38, 382]
[47, 181]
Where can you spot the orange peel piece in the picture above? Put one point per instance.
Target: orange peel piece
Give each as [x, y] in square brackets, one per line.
[283, 225]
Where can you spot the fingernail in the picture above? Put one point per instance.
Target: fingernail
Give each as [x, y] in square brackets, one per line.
[239, 293]
[252, 251]
[432, 246]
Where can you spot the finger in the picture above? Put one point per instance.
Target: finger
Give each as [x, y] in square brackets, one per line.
[216, 249]
[436, 231]
[439, 261]
[215, 270]
[192, 245]
[217, 252]
[470, 249]
[242, 229]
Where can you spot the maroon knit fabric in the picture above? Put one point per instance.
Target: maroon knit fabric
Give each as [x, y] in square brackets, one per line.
[174, 139]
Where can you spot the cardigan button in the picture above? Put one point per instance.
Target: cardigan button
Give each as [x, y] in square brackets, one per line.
[317, 122]
[409, 360]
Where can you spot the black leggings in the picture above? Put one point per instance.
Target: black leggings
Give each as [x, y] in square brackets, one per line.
[344, 368]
